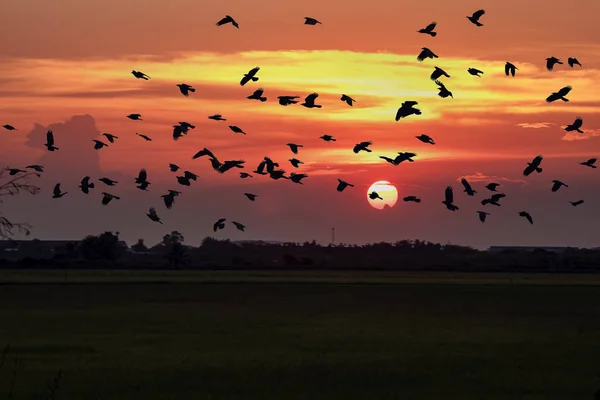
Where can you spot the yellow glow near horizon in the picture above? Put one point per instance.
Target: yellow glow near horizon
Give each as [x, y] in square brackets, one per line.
[379, 81]
[387, 191]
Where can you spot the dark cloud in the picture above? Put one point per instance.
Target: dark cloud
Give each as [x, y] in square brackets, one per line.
[76, 156]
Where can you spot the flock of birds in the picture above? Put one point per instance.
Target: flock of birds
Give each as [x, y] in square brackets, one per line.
[271, 168]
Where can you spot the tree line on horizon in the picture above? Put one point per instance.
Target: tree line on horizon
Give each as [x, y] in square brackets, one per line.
[106, 251]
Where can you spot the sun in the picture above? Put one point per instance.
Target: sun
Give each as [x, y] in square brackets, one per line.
[386, 191]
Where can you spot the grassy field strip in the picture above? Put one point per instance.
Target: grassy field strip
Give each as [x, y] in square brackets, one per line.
[308, 277]
[300, 341]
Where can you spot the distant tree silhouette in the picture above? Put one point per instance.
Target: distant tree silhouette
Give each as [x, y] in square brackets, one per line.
[104, 247]
[139, 247]
[71, 251]
[174, 250]
[12, 186]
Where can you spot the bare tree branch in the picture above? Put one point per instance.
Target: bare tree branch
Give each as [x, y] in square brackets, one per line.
[12, 186]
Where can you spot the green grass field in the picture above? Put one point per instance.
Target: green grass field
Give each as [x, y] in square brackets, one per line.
[313, 335]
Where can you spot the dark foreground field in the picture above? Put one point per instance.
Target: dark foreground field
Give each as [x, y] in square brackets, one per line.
[310, 340]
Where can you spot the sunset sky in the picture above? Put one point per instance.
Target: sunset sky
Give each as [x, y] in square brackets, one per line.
[66, 66]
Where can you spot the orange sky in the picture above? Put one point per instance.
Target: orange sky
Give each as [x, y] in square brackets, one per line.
[68, 59]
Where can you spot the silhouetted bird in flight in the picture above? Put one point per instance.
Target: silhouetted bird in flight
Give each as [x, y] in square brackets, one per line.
[575, 126]
[185, 89]
[250, 196]
[250, 76]
[228, 19]
[492, 186]
[142, 176]
[140, 75]
[215, 163]
[229, 164]
[573, 61]
[534, 165]
[493, 200]
[428, 30]
[437, 73]
[468, 189]
[169, 198]
[510, 69]
[425, 139]
[239, 226]
[220, 224]
[590, 163]
[390, 160]
[257, 95]
[217, 117]
[576, 203]
[203, 152]
[135, 117]
[278, 174]
[426, 53]
[178, 131]
[349, 100]
[36, 168]
[236, 129]
[108, 197]
[375, 195]
[270, 164]
[287, 100]
[527, 216]
[309, 101]
[295, 162]
[443, 92]
[109, 137]
[146, 138]
[407, 108]
[343, 185]
[475, 72]
[401, 157]
[405, 156]
[108, 181]
[56, 193]
[153, 215]
[482, 215]
[294, 147]
[559, 95]
[50, 141]
[9, 127]
[99, 144]
[14, 171]
[364, 146]
[174, 167]
[297, 178]
[86, 185]
[475, 17]
[260, 169]
[143, 186]
[328, 138]
[190, 175]
[245, 175]
[551, 62]
[182, 180]
[449, 199]
[413, 199]
[310, 21]
[557, 185]
[186, 126]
